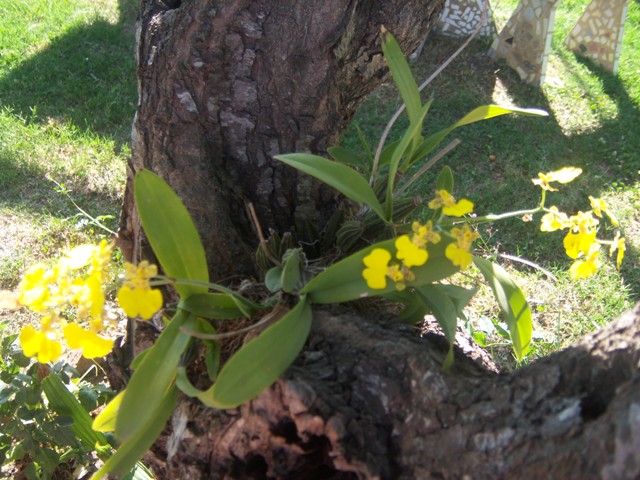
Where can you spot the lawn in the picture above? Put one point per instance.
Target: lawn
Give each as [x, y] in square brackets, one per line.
[67, 98]
[593, 124]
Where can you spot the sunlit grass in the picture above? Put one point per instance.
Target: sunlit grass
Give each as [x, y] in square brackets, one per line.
[593, 124]
[67, 97]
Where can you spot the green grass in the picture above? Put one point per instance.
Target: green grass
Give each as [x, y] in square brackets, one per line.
[67, 97]
[593, 124]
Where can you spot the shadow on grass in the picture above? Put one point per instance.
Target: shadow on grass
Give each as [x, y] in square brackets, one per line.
[85, 77]
[608, 154]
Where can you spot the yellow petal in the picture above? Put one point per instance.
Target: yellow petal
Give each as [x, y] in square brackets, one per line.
[375, 277]
[582, 269]
[379, 257]
[554, 220]
[621, 249]
[50, 350]
[459, 209]
[576, 244]
[34, 342]
[149, 303]
[375, 273]
[410, 253]
[92, 344]
[30, 340]
[458, 256]
[564, 175]
[128, 301]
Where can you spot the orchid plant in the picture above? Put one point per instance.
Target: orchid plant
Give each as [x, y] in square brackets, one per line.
[413, 267]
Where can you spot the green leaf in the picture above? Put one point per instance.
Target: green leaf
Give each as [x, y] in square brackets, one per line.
[291, 270]
[411, 133]
[347, 157]
[212, 352]
[512, 302]
[273, 279]
[64, 403]
[414, 308]
[153, 378]
[460, 296]
[365, 145]
[387, 153]
[131, 450]
[171, 232]
[445, 180]
[446, 313]
[484, 112]
[402, 76]
[212, 305]
[258, 364]
[343, 281]
[106, 419]
[344, 179]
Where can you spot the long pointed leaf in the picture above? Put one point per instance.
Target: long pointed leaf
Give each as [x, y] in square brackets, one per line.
[344, 179]
[171, 232]
[412, 132]
[402, 76]
[512, 302]
[130, 451]
[484, 112]
[258, 364]
[153, 377]
[63, 402]
[445, 311]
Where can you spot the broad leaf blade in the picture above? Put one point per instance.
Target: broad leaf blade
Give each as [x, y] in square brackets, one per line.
[64, 403]
[344, 179]
[106, 419]
[343, 155]
[153, 378]
[512, 302]
[291, 270]
[445, 311]
[486, 112]
[212, 305]
[402, 76]
[171, 232]
[445, 180]
[259, 363]
[130, 451]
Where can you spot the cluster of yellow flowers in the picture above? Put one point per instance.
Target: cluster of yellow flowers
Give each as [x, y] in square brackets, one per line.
[580, 243]
[412, 249]
[78, 280]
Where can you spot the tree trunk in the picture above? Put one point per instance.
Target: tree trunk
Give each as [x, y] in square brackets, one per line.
[226, 85]
[369, 400]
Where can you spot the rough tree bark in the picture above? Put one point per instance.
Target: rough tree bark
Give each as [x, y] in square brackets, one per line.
[225, 85]
[368, 400]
